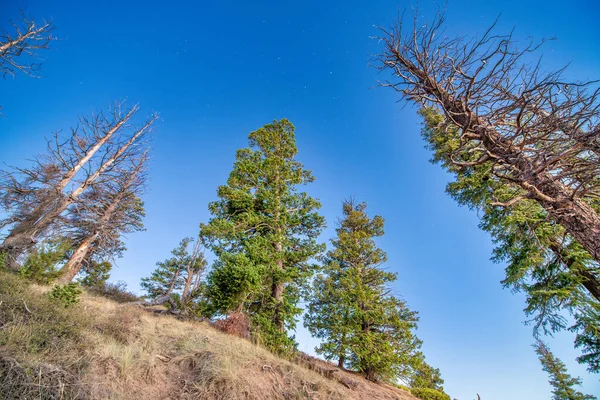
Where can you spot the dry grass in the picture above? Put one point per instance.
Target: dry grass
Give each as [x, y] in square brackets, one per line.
[118, 351]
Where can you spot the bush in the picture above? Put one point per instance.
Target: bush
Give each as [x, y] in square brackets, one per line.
[429, 394]
[236, 324]
[41, 264]
[68, 294]
[115, 291]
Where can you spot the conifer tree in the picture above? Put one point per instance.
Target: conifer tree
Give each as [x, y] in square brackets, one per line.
[351, 309]
[263, 232]
[174, 274]
[563, 384]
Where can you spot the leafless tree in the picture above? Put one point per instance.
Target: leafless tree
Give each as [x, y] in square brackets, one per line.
[99, 219]
[19, 48]
[540, 132]
[34, 198]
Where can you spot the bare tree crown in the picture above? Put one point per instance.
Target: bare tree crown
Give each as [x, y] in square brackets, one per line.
[535, 130]
[19, 49]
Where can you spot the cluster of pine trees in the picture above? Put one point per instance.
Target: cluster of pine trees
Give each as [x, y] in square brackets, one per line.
[263, 234]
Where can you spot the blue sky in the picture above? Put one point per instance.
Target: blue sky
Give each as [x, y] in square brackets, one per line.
[218, 70]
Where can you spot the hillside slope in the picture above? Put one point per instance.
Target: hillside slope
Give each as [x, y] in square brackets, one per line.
[101, 349]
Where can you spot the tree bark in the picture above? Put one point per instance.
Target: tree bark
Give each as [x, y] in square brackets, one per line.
[73, 266]
[191, 273]
[277, 291]
[589, 280]
[75, 262]
[341, 362]
[591, 283]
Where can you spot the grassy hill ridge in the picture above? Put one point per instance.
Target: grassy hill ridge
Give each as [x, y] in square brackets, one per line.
[100, 349]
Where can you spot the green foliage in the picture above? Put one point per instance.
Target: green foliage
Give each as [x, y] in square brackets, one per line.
[429, 394]
[263, 231]
[563, 384]
[67, 295]
[232, 279]
[350, 309]
[588, 336]
[553, 270]
[42, 263]
[95, 273]
[424, 375]
[2, 261]
[169, 275]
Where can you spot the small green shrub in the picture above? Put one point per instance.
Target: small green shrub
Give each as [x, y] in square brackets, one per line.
[429, 394]
[67, 295]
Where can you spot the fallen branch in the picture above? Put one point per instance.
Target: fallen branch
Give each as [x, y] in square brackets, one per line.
[26, 308]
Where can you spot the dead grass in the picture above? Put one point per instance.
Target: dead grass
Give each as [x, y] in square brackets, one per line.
[118, 351]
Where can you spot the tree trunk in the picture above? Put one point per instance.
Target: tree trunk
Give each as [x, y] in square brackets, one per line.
[185, 294]
[73, 266]
[173, 283]
[277, 291]
[191, 273]
[591, 283]
[589, 280]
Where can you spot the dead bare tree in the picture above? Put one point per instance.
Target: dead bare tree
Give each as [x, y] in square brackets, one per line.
[101, 218]
[34, 198]
[19, 49]
[539, 132]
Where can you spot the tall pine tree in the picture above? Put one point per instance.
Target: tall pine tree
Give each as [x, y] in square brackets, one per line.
[351, 309]
[263, 232]
[563, 384]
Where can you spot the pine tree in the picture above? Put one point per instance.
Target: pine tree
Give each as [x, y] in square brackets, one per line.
[351, 309]
[171, 275]
[562, 383]
[263, 232]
